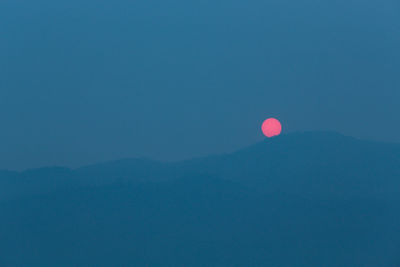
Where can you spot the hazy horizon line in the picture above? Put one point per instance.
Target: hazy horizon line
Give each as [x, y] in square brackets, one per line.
[172, 161]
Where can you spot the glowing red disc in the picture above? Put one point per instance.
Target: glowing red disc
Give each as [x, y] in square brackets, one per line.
[271, 127]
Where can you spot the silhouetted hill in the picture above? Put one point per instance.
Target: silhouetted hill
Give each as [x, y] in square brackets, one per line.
[311, 163]
[304, 199]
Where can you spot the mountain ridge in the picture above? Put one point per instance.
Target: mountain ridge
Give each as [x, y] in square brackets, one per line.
[298, 200]
[265, 142]
[268, 166]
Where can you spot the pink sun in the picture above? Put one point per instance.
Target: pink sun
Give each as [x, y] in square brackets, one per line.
[271, 127]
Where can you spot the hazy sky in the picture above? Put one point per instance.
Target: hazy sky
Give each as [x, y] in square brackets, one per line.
[83, 81]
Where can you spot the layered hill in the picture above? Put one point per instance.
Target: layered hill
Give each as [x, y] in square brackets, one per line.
[304, 199]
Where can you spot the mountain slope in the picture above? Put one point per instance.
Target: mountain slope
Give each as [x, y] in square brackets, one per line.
[312, 162]
[310, 199]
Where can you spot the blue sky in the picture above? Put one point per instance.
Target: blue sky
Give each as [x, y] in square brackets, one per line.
[87, 81]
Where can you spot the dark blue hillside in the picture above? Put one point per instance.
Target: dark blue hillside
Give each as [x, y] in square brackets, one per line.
[307, 199]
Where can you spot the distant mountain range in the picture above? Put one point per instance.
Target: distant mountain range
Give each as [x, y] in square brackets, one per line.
[303, 199]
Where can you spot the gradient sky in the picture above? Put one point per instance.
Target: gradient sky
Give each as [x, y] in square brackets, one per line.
[83, 81]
